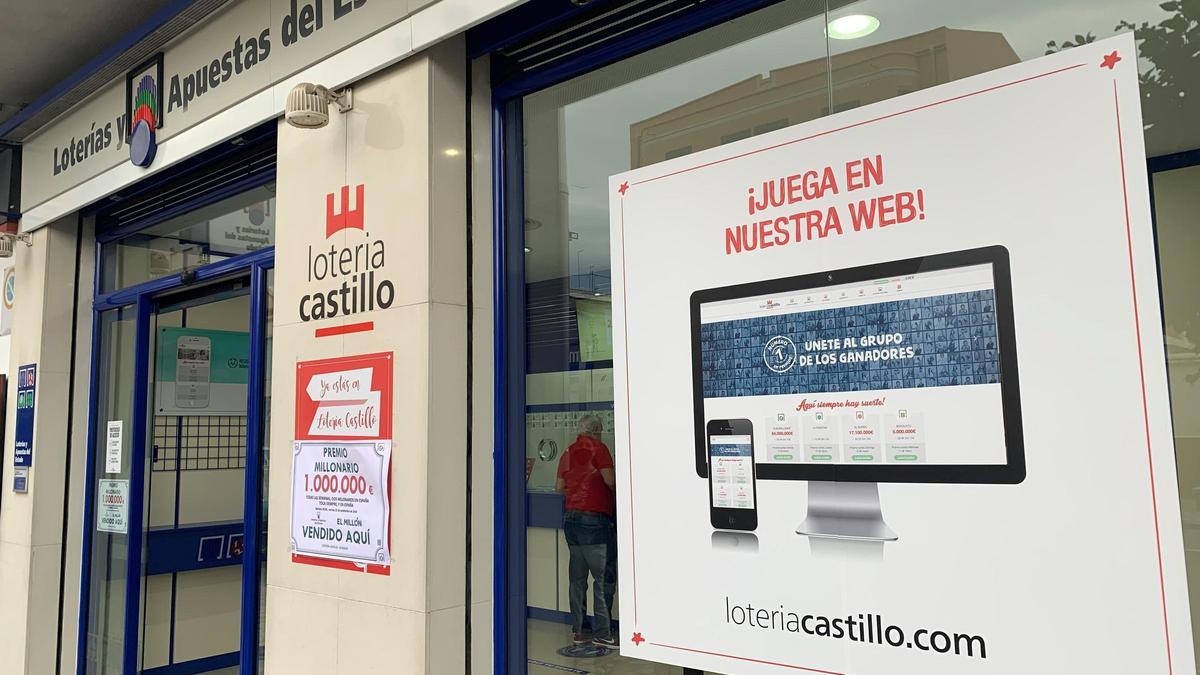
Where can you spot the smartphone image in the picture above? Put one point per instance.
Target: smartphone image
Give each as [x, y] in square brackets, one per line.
[733, 502]
[193, 371]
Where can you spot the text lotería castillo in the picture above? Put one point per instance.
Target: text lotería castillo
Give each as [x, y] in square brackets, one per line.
[354, 277]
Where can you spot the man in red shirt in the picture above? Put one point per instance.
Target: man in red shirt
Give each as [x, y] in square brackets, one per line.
[586, 479]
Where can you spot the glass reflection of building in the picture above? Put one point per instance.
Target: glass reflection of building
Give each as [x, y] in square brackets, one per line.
[792, 94]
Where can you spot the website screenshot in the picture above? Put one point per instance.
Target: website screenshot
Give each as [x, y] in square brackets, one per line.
[732, 460]
[897, 370]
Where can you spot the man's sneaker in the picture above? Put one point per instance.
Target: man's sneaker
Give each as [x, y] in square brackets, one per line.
[610, 642]
[579, 639]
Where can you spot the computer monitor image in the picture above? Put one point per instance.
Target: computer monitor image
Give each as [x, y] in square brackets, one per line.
[901, 371]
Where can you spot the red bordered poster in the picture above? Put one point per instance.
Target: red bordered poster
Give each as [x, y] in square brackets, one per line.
[341, 463]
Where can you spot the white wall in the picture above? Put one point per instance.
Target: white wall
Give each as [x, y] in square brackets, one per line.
[322, 620]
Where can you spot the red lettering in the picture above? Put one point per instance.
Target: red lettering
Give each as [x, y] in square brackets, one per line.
[873, 171]
[905, 208]
[862, 214]
[813, 218]
[763, 231]
[795, 189]
[828, 183]
[733, 240]
[863, 173]
[832, 221]
[887, 210]
[781, 233]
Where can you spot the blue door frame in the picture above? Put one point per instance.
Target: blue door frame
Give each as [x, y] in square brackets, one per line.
[143, 296]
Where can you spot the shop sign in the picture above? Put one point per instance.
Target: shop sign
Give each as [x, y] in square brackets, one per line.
[246, 48]
[341, 463]
[26, 397]
[345, 275]
[112, 506]
[143, 110]
[832, 317]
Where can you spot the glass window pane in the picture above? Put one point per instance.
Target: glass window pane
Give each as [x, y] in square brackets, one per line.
[711, 88]
[922, 43]
[1177, 214]
[239, 224]
[106, 592]
[196, 475]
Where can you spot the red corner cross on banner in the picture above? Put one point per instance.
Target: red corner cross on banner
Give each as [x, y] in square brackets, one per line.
[623, 188]
[638, 639]
[1110, 60]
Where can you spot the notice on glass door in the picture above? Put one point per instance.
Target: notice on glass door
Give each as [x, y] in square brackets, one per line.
[341, 463]
[112, 506]
[112, 448]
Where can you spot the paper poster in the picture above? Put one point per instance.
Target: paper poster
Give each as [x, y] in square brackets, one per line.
[890, 389]
[113, 447]
[341, 464]
[21, 479]
[26, 398]
[594, 321]
[112, 506]
[340, 500]
[201, 372]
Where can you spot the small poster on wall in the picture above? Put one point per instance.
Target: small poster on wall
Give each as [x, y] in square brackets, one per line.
[112, 506]
[26, 397]
[341, 463]
[113, 447]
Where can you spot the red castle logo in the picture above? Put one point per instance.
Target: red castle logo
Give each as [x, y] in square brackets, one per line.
[347, 218]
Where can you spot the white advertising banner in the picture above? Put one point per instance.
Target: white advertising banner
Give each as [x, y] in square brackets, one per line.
[826, 460]
[340, 500]
[112, 506]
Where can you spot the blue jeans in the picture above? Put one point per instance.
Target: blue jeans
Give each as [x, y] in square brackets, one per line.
[592, 541]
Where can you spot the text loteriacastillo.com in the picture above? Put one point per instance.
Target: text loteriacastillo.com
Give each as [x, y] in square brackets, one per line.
[868, 628]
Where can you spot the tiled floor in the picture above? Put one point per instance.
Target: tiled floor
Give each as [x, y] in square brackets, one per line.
[546, 638]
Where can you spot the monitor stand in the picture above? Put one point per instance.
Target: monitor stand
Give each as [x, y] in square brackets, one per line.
[845, 510]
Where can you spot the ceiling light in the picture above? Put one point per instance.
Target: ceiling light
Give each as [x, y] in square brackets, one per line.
[451, 152]
[852, 26]
[528, 250]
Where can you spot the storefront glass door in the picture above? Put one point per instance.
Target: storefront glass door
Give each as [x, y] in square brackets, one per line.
[174, 565]
[195, 479]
